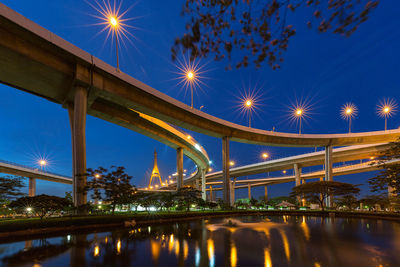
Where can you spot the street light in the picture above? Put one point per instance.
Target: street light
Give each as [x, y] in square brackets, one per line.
[348, 112]
[112, 18]
[387, 108]
[42, 163]
[265, 156]
[231, 163]
[191, 76]
[248, 105]
[114, 24]
[299, 112]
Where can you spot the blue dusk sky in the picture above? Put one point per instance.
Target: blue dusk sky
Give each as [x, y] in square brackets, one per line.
[324, 69]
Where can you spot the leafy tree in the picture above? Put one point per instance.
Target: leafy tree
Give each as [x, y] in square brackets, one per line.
[372, 200]
[202, 203]
[276, 200]
[212, 205]
[390, 173]
[349, 201]
[239, 203]
[253, 202]
[112, 186]
[148, 201]
[261, 28]
[10, 187]
[137, 198]
[41, 205]
[187, 196]
[168, 200]
[319, 191]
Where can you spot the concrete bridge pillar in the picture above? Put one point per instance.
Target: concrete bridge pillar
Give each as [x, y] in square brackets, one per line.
[249, 191]
[32, 187]
[203, 185]
[211, 193]
[233, 191]
[77, 115]
[179, 168]
[225, 170]
[328, 171]
[266, 193]
[297, 175]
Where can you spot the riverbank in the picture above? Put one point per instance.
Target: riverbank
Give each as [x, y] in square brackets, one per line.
[35, 226]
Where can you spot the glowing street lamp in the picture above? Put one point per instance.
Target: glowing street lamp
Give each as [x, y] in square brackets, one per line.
[111, 16]
[387, 108]
[231, 163]
[348, 112]
[42, 163]
[265, 156]
[190, 77]
[299, 112]
[248, 105]
[114, 24]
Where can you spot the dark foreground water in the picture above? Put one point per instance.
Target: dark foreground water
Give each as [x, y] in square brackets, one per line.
[245, 241]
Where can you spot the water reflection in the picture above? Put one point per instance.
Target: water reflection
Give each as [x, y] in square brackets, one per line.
[247, 241]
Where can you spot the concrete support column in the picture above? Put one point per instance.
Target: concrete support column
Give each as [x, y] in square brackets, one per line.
[297, 174]
[225, 171]
[77, 116]
[32, 187]
[328, 171]
[249, 191]
[179, 168]
[233, 191]
[203, 185]
[211, 193]
[266, 193]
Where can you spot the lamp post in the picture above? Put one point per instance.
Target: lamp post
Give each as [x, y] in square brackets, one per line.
[348, 112]
[265, 156]
[386, 109]
[42, 163]
[248, 106]
[114, 24]
[299, 112]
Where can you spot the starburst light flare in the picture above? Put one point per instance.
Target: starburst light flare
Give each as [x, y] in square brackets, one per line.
[348, 112]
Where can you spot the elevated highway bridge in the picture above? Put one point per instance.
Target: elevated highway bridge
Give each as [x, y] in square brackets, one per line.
[41, 63]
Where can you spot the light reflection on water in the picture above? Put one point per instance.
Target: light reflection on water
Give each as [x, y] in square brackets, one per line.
[235, 242]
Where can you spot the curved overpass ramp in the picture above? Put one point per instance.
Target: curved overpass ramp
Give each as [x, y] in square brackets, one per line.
[55, 69]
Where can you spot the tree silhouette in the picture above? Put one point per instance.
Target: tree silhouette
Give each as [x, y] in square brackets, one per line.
[390, 173]
[112, 186]
[261, 28]
[319, 191]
